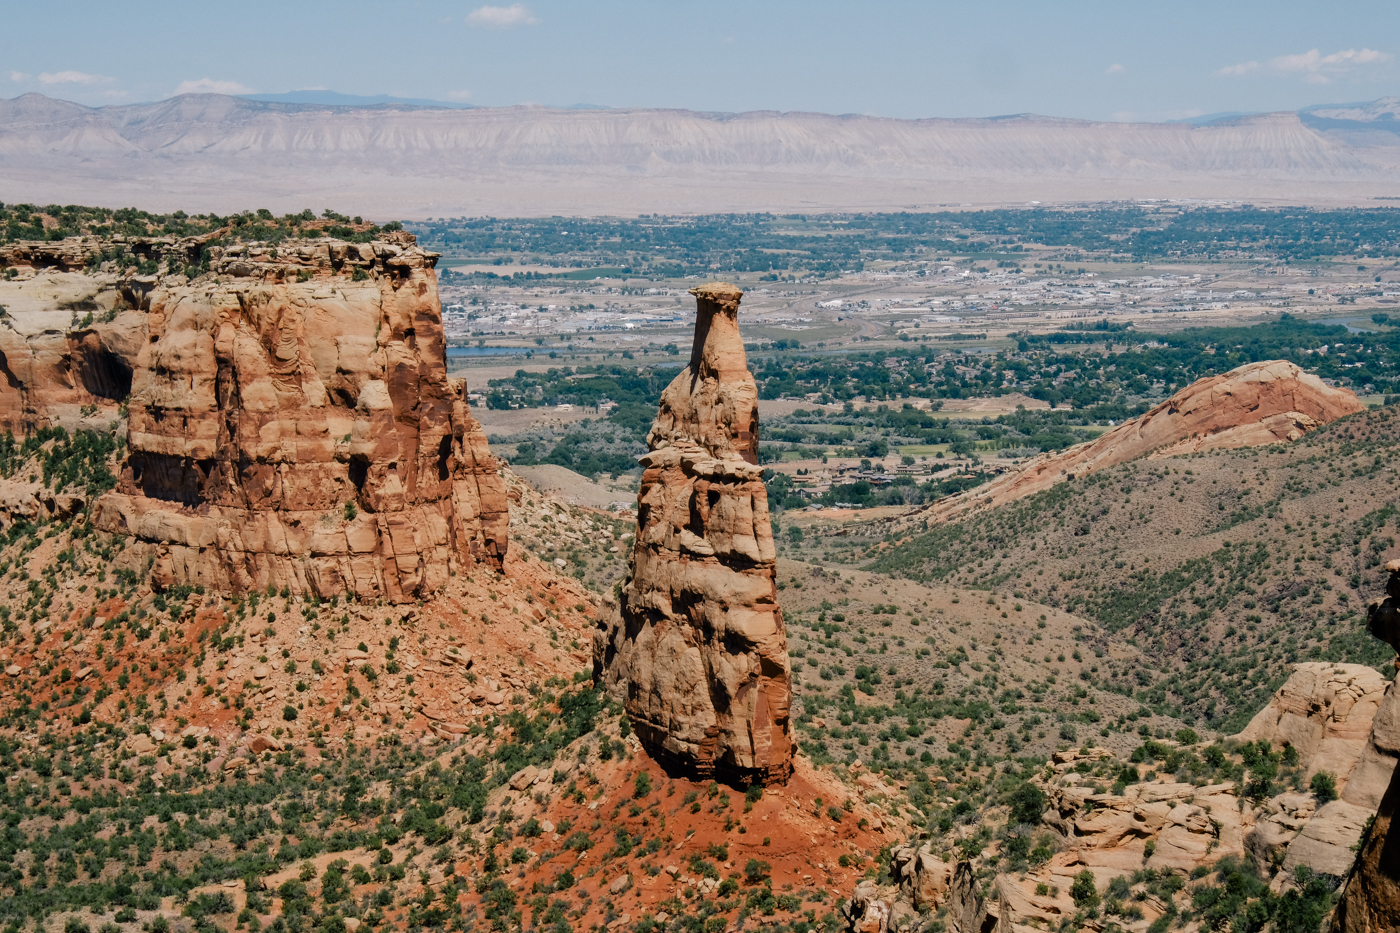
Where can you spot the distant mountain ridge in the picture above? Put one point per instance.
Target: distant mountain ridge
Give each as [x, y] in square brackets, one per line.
[1371, 116]
[337, 99]
[406, 158]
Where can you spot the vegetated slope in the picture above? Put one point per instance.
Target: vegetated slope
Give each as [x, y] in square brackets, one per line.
[537, 160]
[1220, 567]
[943, 683]
[583, 543]
[270, 760]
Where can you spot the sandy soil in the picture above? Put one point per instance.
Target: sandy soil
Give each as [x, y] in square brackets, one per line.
[512, 421]
[576, 489]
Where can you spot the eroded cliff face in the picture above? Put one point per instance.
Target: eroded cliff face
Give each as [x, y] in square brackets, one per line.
[1371, 900]
[68, 336]
[291, 424]
[696, 649]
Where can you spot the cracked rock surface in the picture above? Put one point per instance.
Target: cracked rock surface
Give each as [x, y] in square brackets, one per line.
[696, 648]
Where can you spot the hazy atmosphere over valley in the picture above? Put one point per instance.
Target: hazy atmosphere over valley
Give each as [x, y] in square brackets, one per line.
[644, 467]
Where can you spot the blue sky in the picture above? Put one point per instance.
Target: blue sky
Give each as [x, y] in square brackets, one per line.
[1098, 60]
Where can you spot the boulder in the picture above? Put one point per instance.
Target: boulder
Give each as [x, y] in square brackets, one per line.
[1283, 817]
[696, 648]
[523, 778]
[923, 877]
[866, 911]
[264, 743]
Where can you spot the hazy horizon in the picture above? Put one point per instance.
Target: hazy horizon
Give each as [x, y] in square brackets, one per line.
[894, 59]
[334, 98]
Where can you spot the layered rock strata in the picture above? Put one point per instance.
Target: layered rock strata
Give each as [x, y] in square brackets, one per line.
[68, 337]
[696, 649]
[292, 425]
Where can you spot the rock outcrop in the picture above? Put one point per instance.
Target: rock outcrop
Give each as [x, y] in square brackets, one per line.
[68, 338]
[696, 649]
[1370, 902]
[292, 425]
[1255, 404]
[1172, 826]
[923, 877]
[1324, 711]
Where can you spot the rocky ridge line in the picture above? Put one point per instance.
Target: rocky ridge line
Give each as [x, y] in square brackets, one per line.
[1257, 404]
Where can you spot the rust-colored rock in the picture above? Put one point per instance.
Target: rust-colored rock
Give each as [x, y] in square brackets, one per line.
[697, 650]
[1370, 902]
[291, 424]
[1259, 403]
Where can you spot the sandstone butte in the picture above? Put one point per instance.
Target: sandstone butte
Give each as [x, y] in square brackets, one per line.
[1255, 404]
[291, 423]
[696, 649]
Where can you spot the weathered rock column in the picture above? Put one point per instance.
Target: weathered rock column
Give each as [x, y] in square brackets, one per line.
[696, 649]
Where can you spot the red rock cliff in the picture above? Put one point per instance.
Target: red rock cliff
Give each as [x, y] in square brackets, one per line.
[696, 650]
[292, 424]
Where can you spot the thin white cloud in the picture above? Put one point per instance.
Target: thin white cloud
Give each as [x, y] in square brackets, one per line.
[502, 17]
[1312, 65]
[1235, 71]
[1317, 68]
[210, 86]
[1116, 69]
[71, 77]
[18, 76]
[459, 95]
[1313, 61]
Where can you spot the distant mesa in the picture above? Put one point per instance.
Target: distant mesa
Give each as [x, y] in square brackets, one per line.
[336, 99]
[286, 150]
